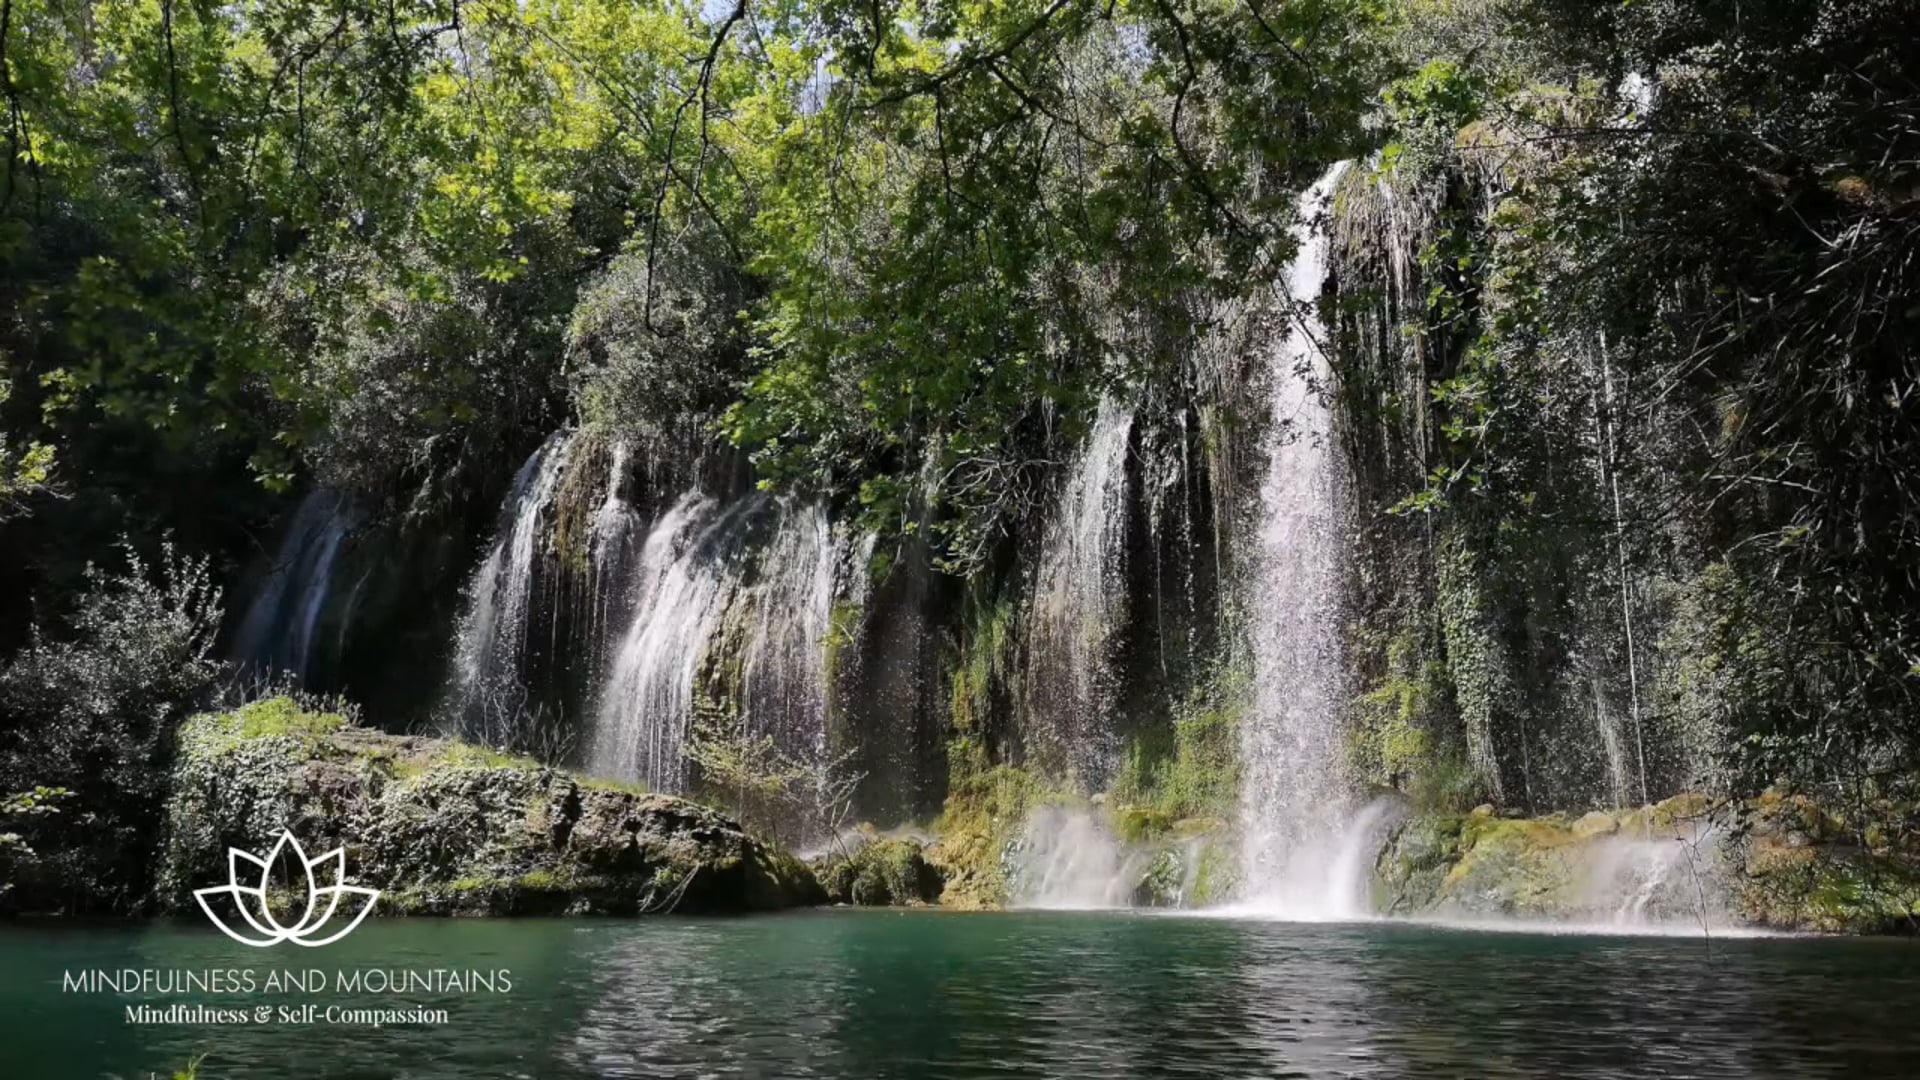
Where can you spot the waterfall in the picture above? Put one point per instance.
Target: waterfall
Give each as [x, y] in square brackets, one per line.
[1079, 596]
[281, 628]
[1296, 802]
[786, 657]
[1664, 877]
[699, 571]
[1613, 746]
[612, 538]
[678, 594]
[489, 693]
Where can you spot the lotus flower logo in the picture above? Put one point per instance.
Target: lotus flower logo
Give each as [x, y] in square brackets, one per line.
[247, 880]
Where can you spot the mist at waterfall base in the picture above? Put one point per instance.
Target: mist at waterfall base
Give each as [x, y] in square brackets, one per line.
[925, 994]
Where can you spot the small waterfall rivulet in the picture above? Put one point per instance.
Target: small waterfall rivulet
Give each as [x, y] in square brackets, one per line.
[614, 535]
[786, 660]
[1300, 835]
[1079, 596]
[488, 686]
[281, 629]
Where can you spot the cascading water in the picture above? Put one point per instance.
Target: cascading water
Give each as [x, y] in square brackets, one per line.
[281, 629]
[1648, 876]
[686, 572]
[1297, 809]
[700, 563]
[1067, 859]
[1079, 597]
[614, 537]
[488, 687]
[786, 659]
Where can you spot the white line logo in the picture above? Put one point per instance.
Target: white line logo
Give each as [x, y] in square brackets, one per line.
[250, 896]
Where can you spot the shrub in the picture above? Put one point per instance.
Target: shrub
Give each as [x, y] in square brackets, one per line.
[93, 711]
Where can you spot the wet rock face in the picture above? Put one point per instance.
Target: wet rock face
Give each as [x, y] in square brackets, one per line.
[1661, 863]
[442, 828]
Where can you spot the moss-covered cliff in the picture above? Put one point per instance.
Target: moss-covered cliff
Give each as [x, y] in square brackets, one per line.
[1779, 862]
[445, 828]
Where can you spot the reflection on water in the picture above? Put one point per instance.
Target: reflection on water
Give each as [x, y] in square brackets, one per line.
[931, 994]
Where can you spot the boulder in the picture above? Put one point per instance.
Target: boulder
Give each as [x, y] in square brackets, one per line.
[881, 873]
[449, 829]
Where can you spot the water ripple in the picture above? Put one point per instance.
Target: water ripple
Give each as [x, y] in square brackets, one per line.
[1105, 996]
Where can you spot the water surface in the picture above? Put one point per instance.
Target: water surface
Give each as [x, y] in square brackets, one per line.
[939, 994]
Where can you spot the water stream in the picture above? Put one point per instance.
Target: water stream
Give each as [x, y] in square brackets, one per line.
[763, 567]
[785, 664]
[1079, 598]
[281, 629]
[1297, 807]
[488, 691]
[678, 593]
[1067, 859]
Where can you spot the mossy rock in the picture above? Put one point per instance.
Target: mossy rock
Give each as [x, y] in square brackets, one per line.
[1780, 861]
[1163, 883]
[1513, 866]
[1597, 823]
[444, 828]
[982, 818]
[1141, 824]
[1416, 862]
[1846, 890]
[1216, 872]
[1801, 870]
[881, 873]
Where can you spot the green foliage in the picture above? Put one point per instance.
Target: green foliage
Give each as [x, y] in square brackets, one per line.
[15, 855]
[329, 240]
[964, 221]
[883, 873]
[740, 764]
[93, 711]
[281, 715]
[1664, 421]
[1428, 109]
[1199, 777]
[986, 806]
[783, 795]
[1405, 731]
[657, 343]
[24, 469]
[984, 670]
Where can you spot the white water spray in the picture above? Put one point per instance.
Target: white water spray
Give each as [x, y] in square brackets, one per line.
[1078, 598]
[699, 562]
[1068, 860]
[490, 660]
[786, 658]
[1667, 877]
[1301, 853]
[679, 593]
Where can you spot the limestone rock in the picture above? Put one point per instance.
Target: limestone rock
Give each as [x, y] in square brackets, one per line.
[444, 828]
